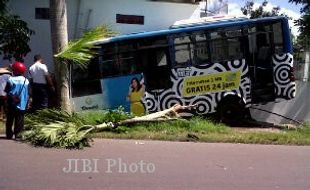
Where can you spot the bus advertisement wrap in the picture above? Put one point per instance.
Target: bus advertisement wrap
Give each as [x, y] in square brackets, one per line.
[224, 81]
[198, 64]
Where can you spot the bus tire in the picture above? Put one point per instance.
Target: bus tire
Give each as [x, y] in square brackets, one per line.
[231, 110]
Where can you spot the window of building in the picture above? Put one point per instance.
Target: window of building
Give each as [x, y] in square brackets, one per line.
[42, 13]
[129, 19]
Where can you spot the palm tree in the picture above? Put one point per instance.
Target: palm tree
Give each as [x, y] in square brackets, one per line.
[82, 50]
[78, 52]
[58, 22]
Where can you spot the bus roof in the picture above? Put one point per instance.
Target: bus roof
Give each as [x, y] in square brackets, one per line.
[189, 28]
[206, 20]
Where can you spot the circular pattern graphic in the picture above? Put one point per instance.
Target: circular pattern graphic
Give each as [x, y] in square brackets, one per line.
[282, 74]
[151, 104]
[279, 59]
[245, 88]
[204, 104]
[168, 100]
[236, 64]
[179, 87]
[203, 66]
[277, 90]
[219, 68]
[219, 96]
[284, 87]
[290, 92]
[174, 74]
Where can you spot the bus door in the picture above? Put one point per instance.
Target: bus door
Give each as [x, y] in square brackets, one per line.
[259, 57]
[156, 69]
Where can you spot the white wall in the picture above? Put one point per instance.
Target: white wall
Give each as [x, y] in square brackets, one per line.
[157, 15]
[41, 41]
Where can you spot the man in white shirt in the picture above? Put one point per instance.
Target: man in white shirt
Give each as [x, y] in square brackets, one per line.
[40, 82]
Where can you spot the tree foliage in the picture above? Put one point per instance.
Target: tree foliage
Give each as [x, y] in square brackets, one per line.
[249, 10]
[305, 5]
[14, 34]
[304, 21]
[82, 50]
[59, 129]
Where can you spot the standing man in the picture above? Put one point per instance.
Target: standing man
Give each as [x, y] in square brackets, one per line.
[17, 89]
[4, 77]
[40, 82]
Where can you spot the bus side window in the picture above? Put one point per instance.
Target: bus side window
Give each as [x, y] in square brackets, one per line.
[156, 68]
[201, 50]
[108, 61]
[235, 44]
[86, 81]
[278, 37]
[183, 51]
[218, 46]
[119, 60]
[226, 45]
[127, 58]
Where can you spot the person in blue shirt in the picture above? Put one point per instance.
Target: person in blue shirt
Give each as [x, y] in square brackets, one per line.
[17, 89]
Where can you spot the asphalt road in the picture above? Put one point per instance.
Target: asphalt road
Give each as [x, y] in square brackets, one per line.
[126, 164]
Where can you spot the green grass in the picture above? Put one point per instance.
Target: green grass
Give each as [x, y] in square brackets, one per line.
[201, 130]
[98, 117]
[195, 129]
[204, 131]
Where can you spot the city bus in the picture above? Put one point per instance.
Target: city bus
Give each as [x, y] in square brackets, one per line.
[222, 66]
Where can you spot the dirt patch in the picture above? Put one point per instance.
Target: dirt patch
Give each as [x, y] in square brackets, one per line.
[258, 126]
[257, 129]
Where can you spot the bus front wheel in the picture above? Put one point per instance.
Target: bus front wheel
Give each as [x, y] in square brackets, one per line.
[231, 110]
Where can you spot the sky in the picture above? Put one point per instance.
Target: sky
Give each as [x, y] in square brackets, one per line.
[292, 10]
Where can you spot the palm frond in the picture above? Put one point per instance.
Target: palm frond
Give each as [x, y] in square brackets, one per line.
[82, 50]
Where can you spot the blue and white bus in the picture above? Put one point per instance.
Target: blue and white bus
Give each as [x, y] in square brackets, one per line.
[222, 66]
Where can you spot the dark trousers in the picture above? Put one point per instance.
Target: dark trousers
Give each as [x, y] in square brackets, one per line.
[39, 96]
[3, 107]
[15, 116]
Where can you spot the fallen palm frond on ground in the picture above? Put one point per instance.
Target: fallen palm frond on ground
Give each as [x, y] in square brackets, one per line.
[53, 128]
[165, 115]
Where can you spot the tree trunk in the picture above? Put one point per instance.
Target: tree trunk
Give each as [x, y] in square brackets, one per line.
[161, 116]
[58, 22]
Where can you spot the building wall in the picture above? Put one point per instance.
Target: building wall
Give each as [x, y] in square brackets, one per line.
[41, 41]
[157, 15]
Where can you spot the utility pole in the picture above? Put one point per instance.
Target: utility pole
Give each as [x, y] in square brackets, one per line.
[307, 63]
[206, 8]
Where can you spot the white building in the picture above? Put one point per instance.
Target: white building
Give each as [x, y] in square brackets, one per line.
[132, 16]
[85, 14]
